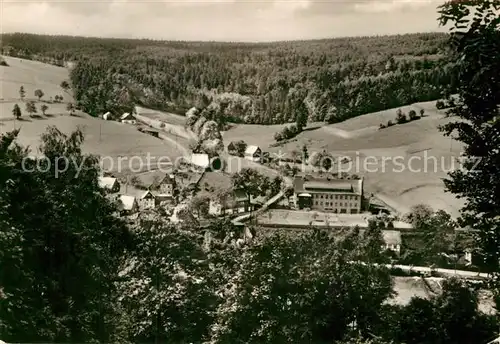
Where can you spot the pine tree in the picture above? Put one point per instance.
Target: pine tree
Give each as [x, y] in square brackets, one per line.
[22, 93]
[16, 111]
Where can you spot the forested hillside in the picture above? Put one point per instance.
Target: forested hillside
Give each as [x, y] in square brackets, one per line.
[329, 80]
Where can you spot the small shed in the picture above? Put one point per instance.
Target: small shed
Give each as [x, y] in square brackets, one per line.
[150, 131]
[107, 116]
[128, 118]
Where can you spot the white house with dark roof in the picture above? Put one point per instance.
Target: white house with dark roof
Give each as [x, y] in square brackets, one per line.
[253, 153]
[110, 184]
[343, 196]
[128, 118]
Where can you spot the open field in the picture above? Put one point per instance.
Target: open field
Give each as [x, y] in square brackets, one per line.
[32, 75]
[121, 146]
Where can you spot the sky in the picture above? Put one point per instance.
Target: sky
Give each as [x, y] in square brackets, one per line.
[220, 20]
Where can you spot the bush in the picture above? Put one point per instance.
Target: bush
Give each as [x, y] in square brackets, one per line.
[413, 115]
[287, 133]
[381, 126]
[422, 112]
[3, 63]
[389, 124]
[401, 117]
[440, 105]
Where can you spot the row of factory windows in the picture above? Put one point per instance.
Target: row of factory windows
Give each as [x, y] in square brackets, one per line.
[330, 196]
[335, 204]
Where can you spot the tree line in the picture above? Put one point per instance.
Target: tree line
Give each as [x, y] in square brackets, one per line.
[325, 80]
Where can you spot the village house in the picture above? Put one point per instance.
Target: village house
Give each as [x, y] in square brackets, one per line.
[147, 200]
[128, 118]
[165, 188]
[128, 205]
[110, 184]
[341, 196]
[235, 203]
[253, 153]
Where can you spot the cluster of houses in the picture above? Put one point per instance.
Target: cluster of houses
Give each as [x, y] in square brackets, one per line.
[162, 192]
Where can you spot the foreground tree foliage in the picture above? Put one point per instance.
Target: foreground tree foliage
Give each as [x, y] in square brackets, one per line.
[60, 245]
[475, 43]
[451, 317]
[166, 291]
[298, 289]
[72, 272]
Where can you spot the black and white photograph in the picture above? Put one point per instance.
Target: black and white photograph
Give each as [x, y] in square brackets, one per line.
[250, 171]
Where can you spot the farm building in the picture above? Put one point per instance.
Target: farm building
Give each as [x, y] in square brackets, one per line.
[330, 195]
[107, 116]
[253, 153]
[128, 118]
[110, 184]
[128, 205]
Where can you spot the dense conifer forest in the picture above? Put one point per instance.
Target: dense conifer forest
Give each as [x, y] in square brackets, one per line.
[266, 83]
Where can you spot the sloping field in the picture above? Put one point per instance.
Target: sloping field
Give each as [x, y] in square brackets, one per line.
[32, 75]
[403, 164]
[121, 146]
